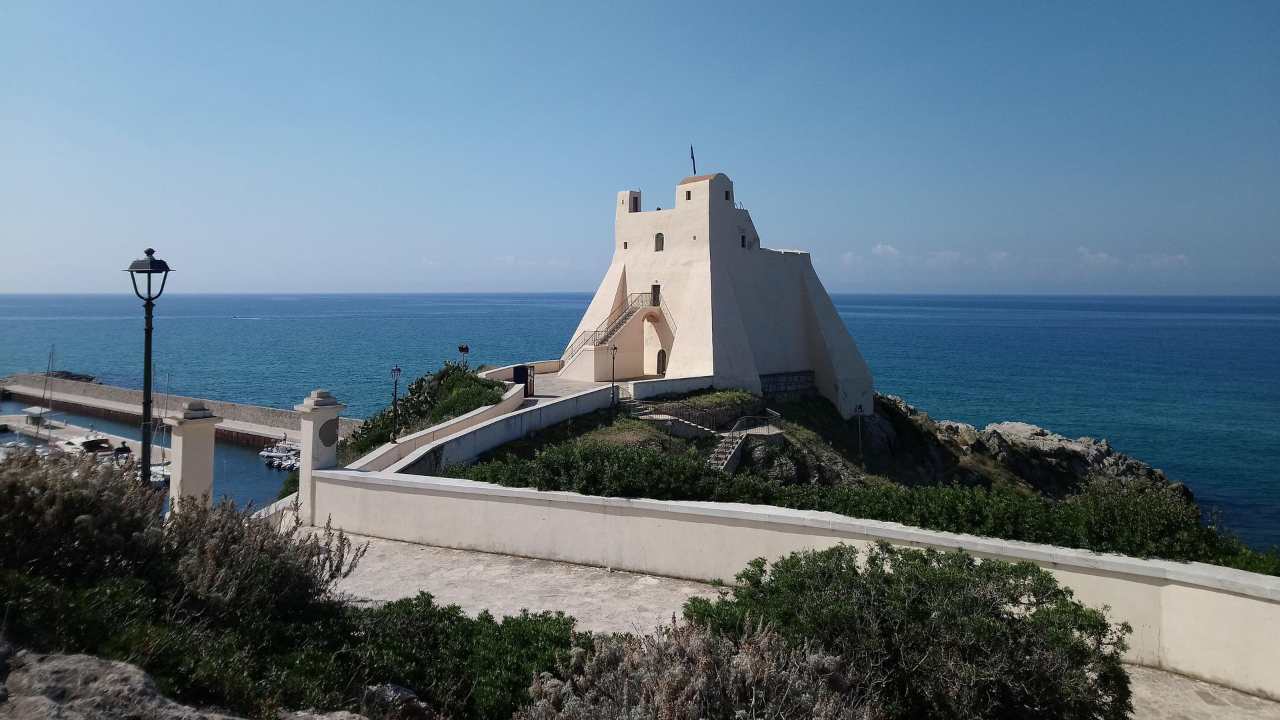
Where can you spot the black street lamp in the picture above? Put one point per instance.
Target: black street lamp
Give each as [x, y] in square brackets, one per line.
[147, 267]
[395, 401]
[613, 374]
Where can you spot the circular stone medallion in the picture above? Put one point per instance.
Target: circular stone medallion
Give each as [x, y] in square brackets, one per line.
[329, 432]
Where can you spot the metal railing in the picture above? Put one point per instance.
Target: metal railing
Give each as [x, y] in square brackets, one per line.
[751, 422]
[686, 412]
[611, 324]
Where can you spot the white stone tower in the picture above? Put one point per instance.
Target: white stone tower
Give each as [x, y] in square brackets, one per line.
[690, 293]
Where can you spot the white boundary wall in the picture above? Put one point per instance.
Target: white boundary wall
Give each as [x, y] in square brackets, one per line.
[507, 372]
[469, 443]
[388, 454]
[644, 389]
[1200, 620]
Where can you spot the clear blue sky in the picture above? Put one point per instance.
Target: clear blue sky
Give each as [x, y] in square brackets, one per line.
[418, 147]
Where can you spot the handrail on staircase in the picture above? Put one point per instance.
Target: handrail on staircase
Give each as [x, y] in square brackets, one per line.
[688, 413]
[611, 324]
[751, 422]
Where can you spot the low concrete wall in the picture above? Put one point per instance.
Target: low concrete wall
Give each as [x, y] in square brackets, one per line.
[248, 424]
[507, 372]
[468, 444]
[644, 389]
[279, 511]
[391, 453]
[1195, 619]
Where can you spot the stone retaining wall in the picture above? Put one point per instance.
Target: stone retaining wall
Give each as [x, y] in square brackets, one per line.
[1199, 620]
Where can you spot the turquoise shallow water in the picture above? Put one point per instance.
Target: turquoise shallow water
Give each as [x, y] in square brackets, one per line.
[1191, 385]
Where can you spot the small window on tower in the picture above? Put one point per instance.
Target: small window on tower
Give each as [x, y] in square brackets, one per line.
[624, 244]
[688, 194]
[657, 242]
[744, 240]
[728, 195]
[635, 204]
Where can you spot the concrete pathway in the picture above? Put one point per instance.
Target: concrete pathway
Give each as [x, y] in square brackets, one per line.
[601, 600]
[550, 386]
[608, 601]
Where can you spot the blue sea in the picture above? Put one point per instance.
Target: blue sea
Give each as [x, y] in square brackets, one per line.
[1191, 385]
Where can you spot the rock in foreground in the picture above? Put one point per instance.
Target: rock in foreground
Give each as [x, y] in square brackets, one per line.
[82, 687]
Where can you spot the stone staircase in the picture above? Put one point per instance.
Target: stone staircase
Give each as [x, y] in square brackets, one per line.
[611, 325]
[673, 423]
[723, 453]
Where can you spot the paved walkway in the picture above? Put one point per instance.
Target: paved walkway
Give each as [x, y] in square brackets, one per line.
[601, 600]
[607, 601]
[550, 385]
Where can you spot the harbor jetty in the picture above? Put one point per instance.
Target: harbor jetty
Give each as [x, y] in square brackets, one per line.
[56, 433]
[253, 425]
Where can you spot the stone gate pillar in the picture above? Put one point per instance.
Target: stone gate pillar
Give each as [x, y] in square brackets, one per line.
[192, 443]
[319, 446]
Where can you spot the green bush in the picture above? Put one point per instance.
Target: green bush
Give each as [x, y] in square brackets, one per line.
[226, 609]
[685, 673]
[76, 519]
[451, 391]
[949, 637]
[1133, 518]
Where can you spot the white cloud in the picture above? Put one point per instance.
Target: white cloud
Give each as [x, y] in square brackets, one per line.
[945, 259]
[1096, 258]
[848, 259]
[885, 251]
[1164, 262]
[999, 259]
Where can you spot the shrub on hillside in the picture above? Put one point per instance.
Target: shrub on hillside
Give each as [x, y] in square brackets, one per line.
[950, 637]
[685, 673]
[1134, 517]
[451, 391]
[597, 468]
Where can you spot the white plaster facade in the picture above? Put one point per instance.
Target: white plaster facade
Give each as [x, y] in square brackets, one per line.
[725, 308]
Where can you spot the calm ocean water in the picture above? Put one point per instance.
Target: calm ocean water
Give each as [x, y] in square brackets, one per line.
[1191, 385]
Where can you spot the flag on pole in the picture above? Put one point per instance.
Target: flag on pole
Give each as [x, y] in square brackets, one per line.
[693, 161]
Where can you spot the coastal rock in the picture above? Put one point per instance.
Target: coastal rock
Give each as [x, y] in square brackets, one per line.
[908, 446]
[83, 687]
[1051, 459]
[393, 702]
[962, 434]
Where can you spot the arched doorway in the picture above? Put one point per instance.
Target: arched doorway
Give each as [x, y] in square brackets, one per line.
[662, 361]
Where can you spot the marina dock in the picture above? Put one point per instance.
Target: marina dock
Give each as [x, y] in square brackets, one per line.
[253, 425]
[57, 432]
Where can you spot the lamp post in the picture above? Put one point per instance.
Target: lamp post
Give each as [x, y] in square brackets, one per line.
[395, 401]
[147, 267]
[613, 374]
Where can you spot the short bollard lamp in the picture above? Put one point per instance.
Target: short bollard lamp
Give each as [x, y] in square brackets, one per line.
[148, 287]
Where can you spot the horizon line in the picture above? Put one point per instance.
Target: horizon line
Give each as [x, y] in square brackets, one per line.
[589, 292]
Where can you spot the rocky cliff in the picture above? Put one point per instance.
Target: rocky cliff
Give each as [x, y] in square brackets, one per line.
[907, 445]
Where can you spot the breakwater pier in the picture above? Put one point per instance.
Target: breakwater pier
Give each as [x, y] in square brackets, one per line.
[57, 433]
[240, 423]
